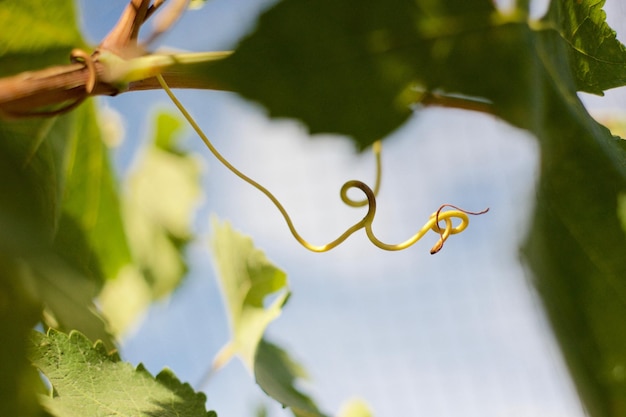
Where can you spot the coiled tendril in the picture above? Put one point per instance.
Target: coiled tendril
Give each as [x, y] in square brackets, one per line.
[370, 200]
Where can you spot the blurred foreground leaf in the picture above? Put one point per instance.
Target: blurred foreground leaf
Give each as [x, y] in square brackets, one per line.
[19, 312]
[312, 55]
[59, 213]
[37, 266]
[90, 201]
[90, 239]
[160, 197]
[576, 246]
[87, 381]
[35, 35]
[276, 373]
[247, 278]
[355, 408]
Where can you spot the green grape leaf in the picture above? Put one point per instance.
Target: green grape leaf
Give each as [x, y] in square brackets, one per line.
[621, 210]
[19, 312]
[59, 213]
[597, 57]
[90, 198]
[84, 240]
[36, 35]
[345, 72]
[159, 200]
[332, 73]
[88, 381]
[247, 279]
[37, 268]
[575, 246]
[158, 225]
[576, 251]
[31, 159]
[276, 373]
[67, 296]
[37, 229]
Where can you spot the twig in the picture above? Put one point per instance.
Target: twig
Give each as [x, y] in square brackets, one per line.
[122, 39]
[456, 102]
[26, 93]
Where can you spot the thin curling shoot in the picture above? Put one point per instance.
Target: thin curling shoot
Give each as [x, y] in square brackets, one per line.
[449, 230]
[366, 222]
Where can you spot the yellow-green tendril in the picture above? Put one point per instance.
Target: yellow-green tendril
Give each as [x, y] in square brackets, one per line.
[370, 200]
[377, 148]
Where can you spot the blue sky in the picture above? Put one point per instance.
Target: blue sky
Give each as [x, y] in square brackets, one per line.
[460, 333]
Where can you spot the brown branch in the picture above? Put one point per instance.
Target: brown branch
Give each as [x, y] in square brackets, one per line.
[33, 93]
[28, 93]
[456, 102]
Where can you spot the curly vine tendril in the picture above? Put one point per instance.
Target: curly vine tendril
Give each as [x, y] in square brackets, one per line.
[369, 201]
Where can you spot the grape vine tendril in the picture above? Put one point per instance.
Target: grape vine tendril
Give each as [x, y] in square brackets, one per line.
[370, 200]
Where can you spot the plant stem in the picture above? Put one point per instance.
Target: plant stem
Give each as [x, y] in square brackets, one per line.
[27, 93]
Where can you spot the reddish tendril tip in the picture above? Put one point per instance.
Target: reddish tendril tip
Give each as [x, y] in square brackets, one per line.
[439, 245]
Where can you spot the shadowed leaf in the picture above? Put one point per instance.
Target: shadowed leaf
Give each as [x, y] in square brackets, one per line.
[32, 168]
[159, 200]
[276, 373]
[348, 67]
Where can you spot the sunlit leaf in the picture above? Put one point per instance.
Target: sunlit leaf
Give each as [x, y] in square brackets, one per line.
[159, 200]
[597, 57]
[91, 199]
[88, 381]
[35, 35]
[247, 278]
[162, 194]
